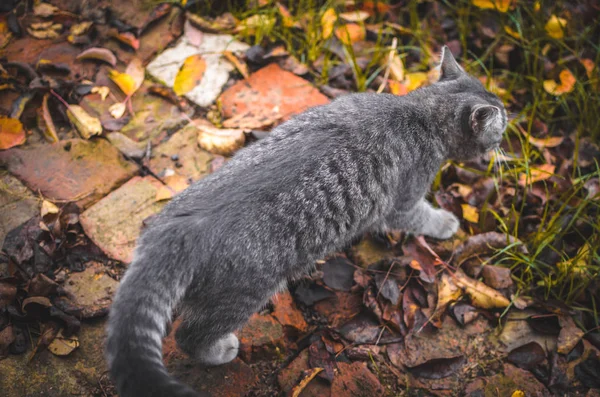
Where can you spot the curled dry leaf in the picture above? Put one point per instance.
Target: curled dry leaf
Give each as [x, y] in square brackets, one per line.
[286, 16]
[81, 28]
[555, 27]
[220, 141]
[328, 20]
[126, 38]
[189, 75]
[570, 334]
[239, 64]
[62, 345]
[551, 141]
[12, 133]
[354, 16]
[396, 67]
[539, 173]
[48, 208]
[484, 243]
[117, 110]
[567, 83]
[448, 292]
[481, 295]
[136, 70]
[350, 33]
[45, 121]
[99, 54]
[103, 91]
[252, 23]
[35, 300]
[86, 125]
[44, 10]
[499, 5]
[131, 79]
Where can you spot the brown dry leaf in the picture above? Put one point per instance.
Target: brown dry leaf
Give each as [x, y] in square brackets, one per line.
[136, 70]
[416, 80]
[99, 54]
[220, 141]
[448, 292]
[117, 110]
[354, 16]
[551, 141]
[286, 16]
[102, 90]
[470, 213]
[45, 121]
[539, 173]
[350, 33]
[48, 207]
[189, 75]
[12, 133]
[86, 125]
[45, 31]
[328, 20]
[481, 295]
[126, 38]
[570, 334]
[397, 88]
[239, 64]
[308, 376]
[567, 83]
[499, 5]
[44, 10]
[555, 27]
[63, 346]
[35, 300]
[174, 184]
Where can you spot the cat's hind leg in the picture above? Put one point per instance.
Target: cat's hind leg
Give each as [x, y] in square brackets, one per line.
[425, 219]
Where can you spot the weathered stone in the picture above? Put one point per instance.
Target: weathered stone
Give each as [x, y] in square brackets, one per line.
[91, 290]
[72, 170]
[114, 223]
[182, 155]
[340, 308]
[355, 380]
[267, 96]
[261, 337]
[66, 53]
[79, 373]
[154, 117]
[17, 204]
[290, 376]
[496, 276]
[287, 313]
[165, 66]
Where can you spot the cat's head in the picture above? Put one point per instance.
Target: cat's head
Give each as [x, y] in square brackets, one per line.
[480, 115]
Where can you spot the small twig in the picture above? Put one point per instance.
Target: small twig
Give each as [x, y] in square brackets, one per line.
[386, 75]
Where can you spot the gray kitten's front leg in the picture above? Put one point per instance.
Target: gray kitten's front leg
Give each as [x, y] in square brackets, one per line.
[425, 219]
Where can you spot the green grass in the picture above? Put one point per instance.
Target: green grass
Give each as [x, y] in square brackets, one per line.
[567, 229]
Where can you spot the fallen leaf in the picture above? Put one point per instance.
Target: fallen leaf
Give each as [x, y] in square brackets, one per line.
[159, 12]
[63, 346]
[512, 32]
[126, 38]
[189, 75]
[102, 90]
[174, 184]
[527, 356]
[551, 141]
[81, 28]
[45, 121]
[286, 16]
[43, 31]
[136, 70]
[117, 110]
[35, 300]
[570, 334]
[328, 20]
[555, 27]
[439, 368]
[350, 33]
[12, 133]
[499, 5]
[131, 79]
[496, 276]
[44, 10]
[7, 293]
[48, 207]
[415, 80]
[448, 292]
[481, 295]
[278, 51]
[470, 213]
[354, 16]
[539, 173]
[338, 273]
[86, 125]
[397, 88]
[220, 141]
[567, 83]
[481, 244]
[239, 64]
[396, 67]
[99, 54]
[589, 66]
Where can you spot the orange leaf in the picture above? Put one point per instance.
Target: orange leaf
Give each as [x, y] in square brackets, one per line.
[567, 83]
[189, 75]
[537, 174]
[351, 33]
[11, 133]
[397, 88]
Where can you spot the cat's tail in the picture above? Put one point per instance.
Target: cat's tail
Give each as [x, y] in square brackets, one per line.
[153, 285]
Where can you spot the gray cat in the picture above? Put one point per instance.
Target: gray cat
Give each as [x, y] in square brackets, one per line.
[223, 247]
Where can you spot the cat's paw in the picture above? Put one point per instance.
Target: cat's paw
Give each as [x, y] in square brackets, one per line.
[222, 352]
[444, 226]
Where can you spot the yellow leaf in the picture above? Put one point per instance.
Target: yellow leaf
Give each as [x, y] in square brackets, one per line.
[11, 132]
[500, 5]
[415, 80]
[124, 81]
[87, 125]
[327, 21]
[397, 88]
[189, 75]
[48, 208]
[481, 295]
[351, 33]
[470, 213]
[518, 393]
[537, 174]
[567, 83]
[551, 141]
[556, 27]
[117, 110]
[63, 346]
[448, 292]
[512, 32]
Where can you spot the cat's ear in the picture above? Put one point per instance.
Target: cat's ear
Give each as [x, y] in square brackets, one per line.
[449, 68]
[484, 118]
